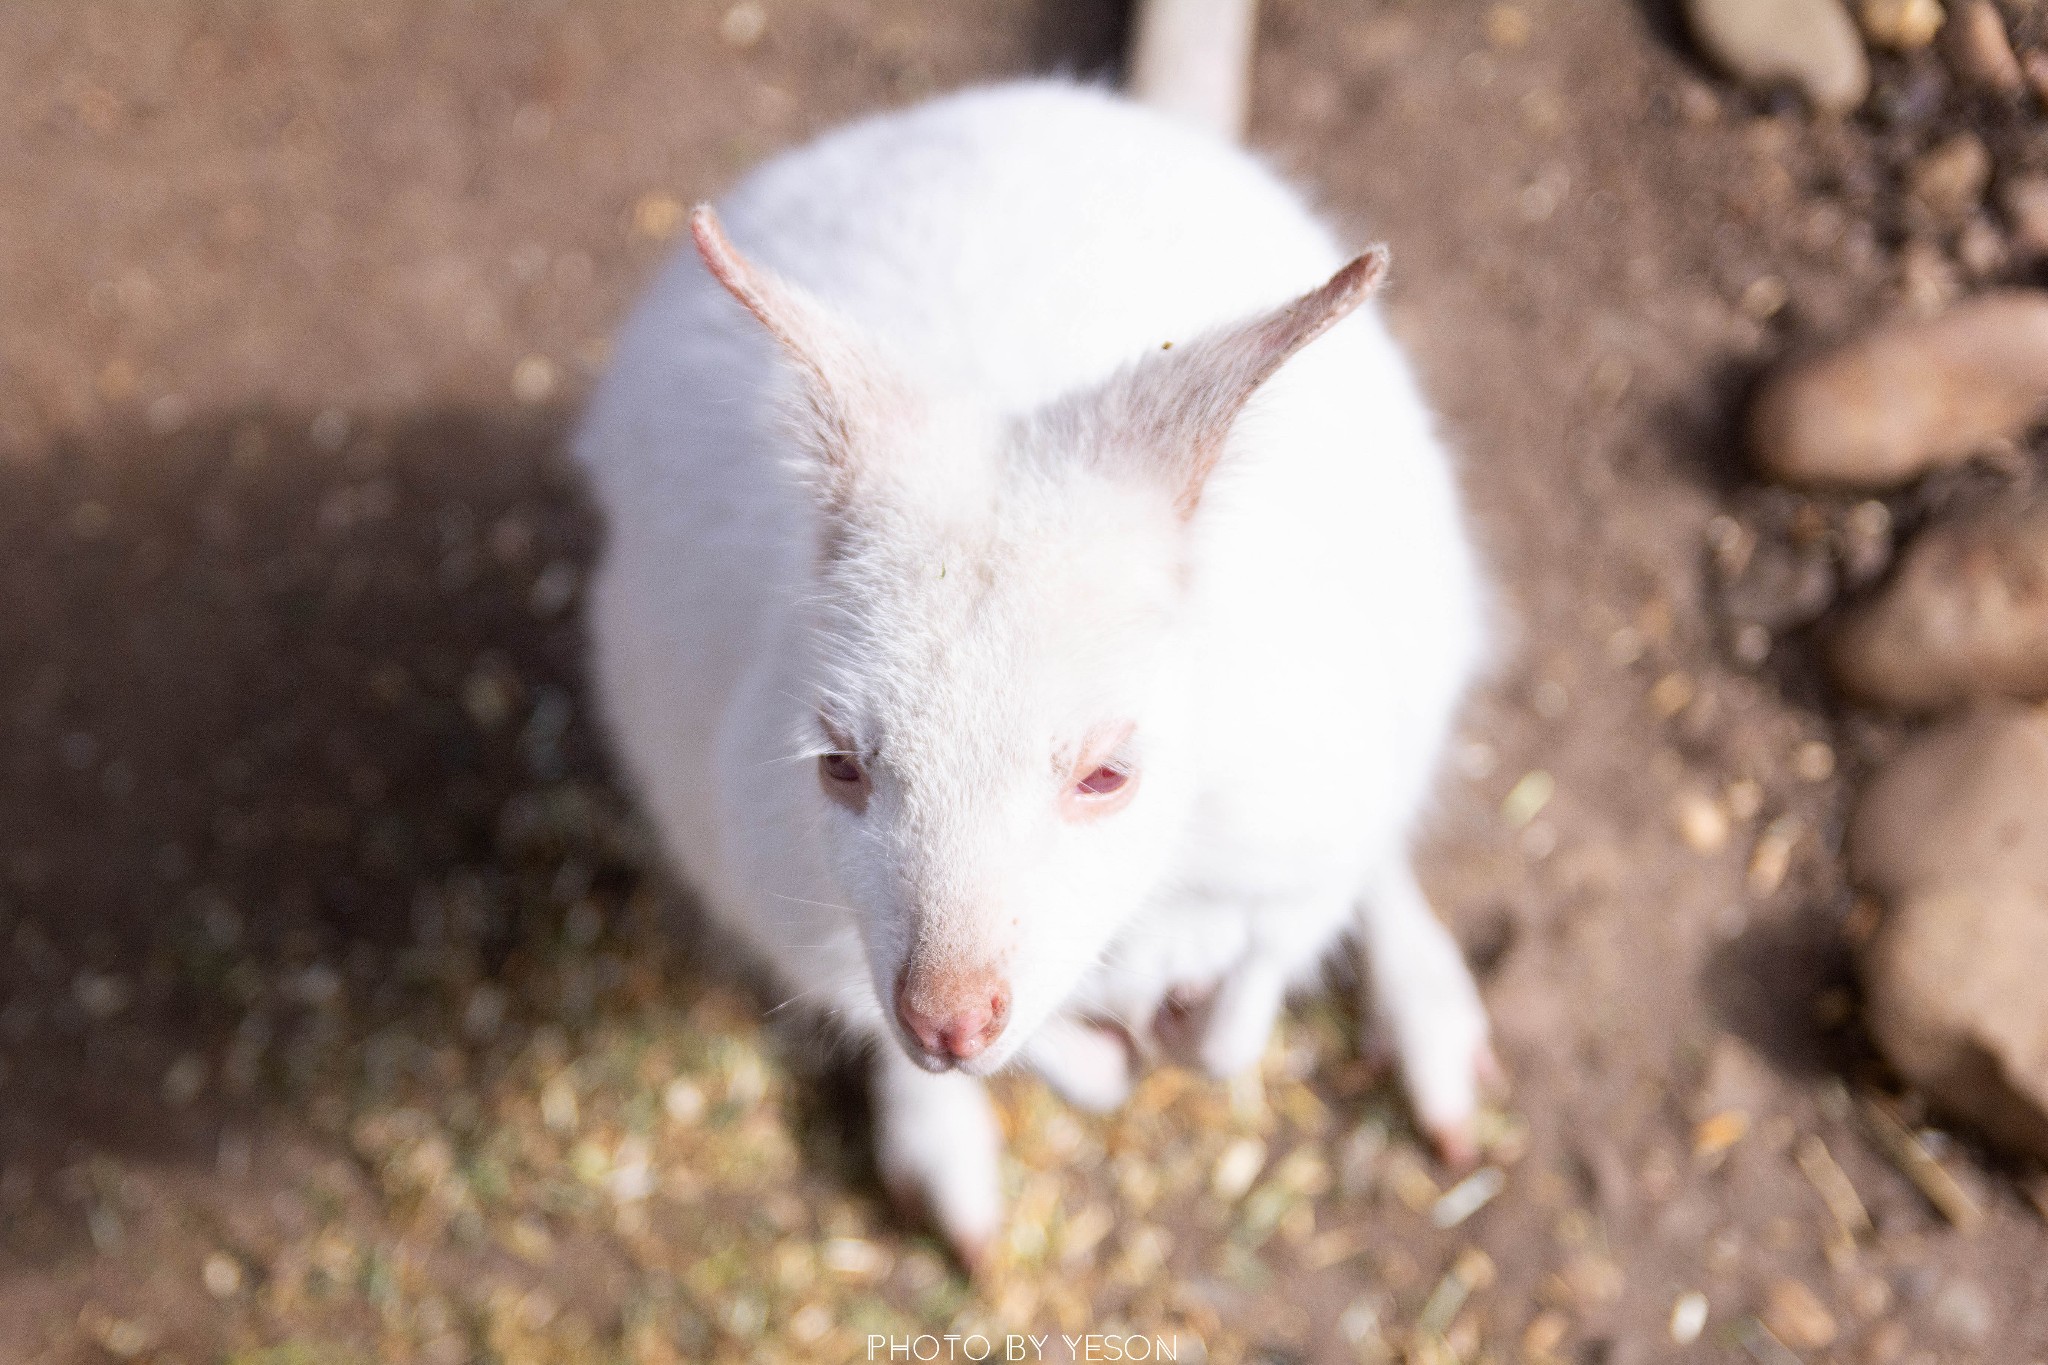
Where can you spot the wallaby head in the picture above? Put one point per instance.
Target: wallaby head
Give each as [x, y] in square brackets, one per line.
[991, 678]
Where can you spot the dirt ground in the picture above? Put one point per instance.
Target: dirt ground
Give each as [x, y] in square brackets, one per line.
[342, 1013]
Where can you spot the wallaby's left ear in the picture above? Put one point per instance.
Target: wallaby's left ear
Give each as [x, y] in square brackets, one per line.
[852, 395]
[1174, 409]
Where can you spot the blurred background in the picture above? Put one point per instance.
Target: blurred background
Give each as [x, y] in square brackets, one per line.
[344, 1014]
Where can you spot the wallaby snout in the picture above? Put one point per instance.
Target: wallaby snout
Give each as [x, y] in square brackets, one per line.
[953, 1014]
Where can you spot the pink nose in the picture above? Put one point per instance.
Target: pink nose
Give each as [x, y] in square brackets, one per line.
[953, 1015]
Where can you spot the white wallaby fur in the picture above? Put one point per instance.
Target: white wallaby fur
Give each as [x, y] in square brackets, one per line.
[1192, 59]
[1004, 639]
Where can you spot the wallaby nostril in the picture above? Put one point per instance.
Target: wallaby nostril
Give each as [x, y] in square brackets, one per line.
[919, 1025]
[966, 1033]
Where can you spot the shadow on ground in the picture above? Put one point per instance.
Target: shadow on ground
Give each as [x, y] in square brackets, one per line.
[286, 696]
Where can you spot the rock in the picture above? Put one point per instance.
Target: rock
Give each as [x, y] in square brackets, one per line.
[1952, 997]
[1965, 618]
[1928, 281]
[1913, 100]
[1736, 1081]
[1981, 248]
[1813, 760]
[1948, 181]
[1811, 44]
[2024, 202]
[1907, 398]
[1981, 52]
[1781, 586]
[1701, 822]
[1864, 542]
[1943, 811]
[1962, 1309]
[1952, 836]
[1906, 25]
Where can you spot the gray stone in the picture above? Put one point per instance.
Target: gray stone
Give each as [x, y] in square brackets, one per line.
[1899, 401]
[1953, 836]
[1810, 44]
[1965, 618]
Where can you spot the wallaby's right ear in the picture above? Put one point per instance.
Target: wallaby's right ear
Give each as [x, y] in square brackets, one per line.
[1170, 414]
[852, 396]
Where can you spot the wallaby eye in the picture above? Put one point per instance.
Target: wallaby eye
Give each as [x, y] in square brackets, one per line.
[1102, 782]
[840, 771]
[1103, 777]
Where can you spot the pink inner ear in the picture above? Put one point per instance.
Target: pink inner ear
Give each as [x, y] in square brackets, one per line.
[850, 390]
[716, 249]
[1174, 409]
[1220, 371]
[761, 294]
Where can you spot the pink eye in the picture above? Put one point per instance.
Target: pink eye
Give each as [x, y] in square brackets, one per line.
[1102, 782]
[840, 768]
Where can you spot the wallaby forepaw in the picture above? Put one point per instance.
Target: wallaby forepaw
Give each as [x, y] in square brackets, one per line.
[968, 1218]
[1088, 1064]
[1456, 1145]
[1446, 1091]
[1240, 1022]
[1229, 1052]
[938, 1147]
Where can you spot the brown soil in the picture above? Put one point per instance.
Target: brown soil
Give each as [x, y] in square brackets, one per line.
[299, 301]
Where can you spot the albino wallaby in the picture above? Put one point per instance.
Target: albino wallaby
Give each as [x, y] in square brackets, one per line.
[1035, 600]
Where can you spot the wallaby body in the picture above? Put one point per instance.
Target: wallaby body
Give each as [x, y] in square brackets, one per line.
[959, 685]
